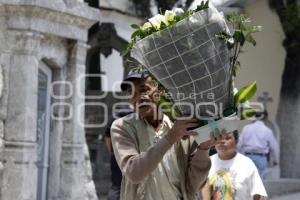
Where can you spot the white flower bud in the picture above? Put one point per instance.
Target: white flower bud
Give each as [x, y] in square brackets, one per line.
[235, 90]
[231, 41]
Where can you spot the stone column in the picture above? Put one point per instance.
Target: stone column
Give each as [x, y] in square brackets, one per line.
[74, 168]
[55, 141]
[19, 155]
[3, 111]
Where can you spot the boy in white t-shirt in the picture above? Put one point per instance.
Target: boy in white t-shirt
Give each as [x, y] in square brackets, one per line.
[232, 175]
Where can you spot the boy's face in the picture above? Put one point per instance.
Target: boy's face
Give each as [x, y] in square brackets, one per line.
[144, 96]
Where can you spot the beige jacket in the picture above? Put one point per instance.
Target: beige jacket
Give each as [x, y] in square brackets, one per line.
[138, 159]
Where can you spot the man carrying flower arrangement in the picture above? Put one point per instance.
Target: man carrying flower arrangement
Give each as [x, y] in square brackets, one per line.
[186, 58]
[155, 161]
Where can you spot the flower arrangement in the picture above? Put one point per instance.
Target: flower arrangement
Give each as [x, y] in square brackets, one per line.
[194, 53]
[160, 22]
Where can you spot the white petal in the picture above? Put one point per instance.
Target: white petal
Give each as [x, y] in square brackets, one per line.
[169, 16]
[156, 20]
[146, 26]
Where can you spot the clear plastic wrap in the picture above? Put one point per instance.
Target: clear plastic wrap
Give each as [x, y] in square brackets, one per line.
[190, 62]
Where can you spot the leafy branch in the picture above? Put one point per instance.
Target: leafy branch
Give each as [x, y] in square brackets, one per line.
[242, 33]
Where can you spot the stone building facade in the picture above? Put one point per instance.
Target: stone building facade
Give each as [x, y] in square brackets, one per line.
[43, 153]
[54, 56]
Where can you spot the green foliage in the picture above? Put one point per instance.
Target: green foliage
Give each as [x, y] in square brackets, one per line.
[245, 93]
[291, 23]
[291, 15]
[202, 6]
[247, 113]
[135, 26]
[242, 33]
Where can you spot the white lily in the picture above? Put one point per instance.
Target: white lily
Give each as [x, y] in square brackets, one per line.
[169, 16]
[156, 21]
[146, 26]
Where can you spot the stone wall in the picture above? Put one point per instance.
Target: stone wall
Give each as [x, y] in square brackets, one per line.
[52, 33]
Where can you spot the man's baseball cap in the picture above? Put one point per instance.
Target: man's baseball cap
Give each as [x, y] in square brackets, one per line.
[134, 74]
[262, 114]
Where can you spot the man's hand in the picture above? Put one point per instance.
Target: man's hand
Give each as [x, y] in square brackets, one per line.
[180, 129]
[215, 138]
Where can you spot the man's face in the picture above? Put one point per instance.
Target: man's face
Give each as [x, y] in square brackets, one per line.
[144, 96]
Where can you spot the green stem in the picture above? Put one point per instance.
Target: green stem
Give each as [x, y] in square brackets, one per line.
[234, 58]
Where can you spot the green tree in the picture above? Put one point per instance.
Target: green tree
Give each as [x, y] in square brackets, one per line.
[289, 14]
[287, 115]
